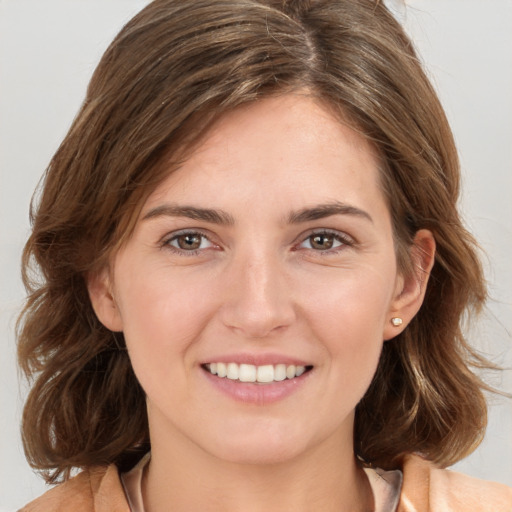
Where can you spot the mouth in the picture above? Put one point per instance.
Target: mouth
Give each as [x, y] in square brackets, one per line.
[264, 374]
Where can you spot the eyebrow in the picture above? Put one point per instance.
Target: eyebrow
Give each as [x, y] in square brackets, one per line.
[223, 218]
[191, 212]
[326, 210]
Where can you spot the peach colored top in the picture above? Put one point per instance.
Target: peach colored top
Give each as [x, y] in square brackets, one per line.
[425, 488]
[386, 486]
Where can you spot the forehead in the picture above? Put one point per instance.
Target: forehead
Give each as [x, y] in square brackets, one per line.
[290, 141]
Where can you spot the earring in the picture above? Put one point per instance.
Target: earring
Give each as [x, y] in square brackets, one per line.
[396, 321]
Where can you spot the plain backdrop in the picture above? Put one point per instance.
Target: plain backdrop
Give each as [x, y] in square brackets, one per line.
[48, 50]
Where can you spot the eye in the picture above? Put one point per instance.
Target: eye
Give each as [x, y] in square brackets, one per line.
[326, 241]
[188, 242]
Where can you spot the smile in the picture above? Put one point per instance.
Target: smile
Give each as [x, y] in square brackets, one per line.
[252, 373]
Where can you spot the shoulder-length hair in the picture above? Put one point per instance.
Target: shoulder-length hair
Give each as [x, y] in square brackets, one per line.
[172, 70]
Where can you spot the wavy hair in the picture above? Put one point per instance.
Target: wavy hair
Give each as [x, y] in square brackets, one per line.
[173, 69]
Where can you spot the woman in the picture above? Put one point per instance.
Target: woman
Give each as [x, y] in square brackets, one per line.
[253, 265]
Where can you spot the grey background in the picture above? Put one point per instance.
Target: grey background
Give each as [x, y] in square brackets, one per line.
[48, 50]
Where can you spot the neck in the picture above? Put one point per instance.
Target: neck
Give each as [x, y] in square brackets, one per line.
[182, 477]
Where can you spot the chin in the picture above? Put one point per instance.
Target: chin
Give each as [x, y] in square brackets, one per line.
[261, 444]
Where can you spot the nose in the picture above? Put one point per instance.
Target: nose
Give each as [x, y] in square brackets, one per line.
[258, 300]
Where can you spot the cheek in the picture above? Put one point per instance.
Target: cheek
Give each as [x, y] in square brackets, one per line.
[348, 313]
[350, 300]
[158, 300]
[162, 316]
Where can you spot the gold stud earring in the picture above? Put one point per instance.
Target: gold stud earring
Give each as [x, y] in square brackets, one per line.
[396, 321]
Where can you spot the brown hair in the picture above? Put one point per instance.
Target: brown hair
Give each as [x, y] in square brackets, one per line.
[178, 65]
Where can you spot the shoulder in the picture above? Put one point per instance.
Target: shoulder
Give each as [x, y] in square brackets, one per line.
[428, 488]
[96, 489]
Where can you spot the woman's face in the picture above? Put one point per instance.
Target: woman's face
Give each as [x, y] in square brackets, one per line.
[268, 255]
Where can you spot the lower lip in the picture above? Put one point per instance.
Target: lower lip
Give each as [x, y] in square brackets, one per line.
[256, 393]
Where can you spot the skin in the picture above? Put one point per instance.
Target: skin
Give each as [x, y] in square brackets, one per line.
[260, 284]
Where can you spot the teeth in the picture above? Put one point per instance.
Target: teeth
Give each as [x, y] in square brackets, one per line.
[279, 372]
[232, 371]
[247, 373]
[221, 370]
[251, 373]
[300, 370]
[290, 372]
[265, 373]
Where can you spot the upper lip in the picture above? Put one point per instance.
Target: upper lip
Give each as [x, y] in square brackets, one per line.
[257, 359]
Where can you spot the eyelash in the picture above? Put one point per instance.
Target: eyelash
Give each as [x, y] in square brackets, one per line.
[342, 238]
[166, 243]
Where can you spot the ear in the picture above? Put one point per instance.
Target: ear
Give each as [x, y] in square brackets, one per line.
[103, 302]
[410, 290]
